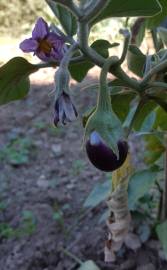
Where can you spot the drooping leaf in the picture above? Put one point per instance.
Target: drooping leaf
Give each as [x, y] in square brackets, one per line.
[136, 60]
[65, 17]
[14, 81]
[139, 184]
[129, 8]
[161, 230]
[148, 122]
[121, 104]
[146, 109]
[99, 193]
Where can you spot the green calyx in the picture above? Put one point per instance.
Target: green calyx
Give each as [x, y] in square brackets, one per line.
[62, 79]
[103, 120]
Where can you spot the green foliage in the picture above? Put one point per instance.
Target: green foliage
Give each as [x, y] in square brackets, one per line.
[17, 151]
[154, 149]
[79, 70]
[88, 265]
[14, 81]
[121, 104]
[58, 217]
[139, 184]
[65, 17]
[136, 60]
[160, 121]
[161, 230]
[77, 167]
[99, 193]
[26, 227]
[156, 20]
[129, 8]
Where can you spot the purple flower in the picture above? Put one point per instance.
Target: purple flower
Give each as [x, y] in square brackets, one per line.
[65, 111]
[48, 46]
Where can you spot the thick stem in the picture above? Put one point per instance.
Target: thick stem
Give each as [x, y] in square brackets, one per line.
[97, 59]
[164, 202]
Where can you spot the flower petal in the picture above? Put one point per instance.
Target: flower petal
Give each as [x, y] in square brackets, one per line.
[41, 29]
[69, 108]
[43, 56]
[29, 45]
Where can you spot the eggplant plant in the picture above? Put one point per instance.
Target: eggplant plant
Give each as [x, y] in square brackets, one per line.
[127, 104]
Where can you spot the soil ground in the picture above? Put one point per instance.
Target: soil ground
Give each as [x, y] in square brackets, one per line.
[45, 178]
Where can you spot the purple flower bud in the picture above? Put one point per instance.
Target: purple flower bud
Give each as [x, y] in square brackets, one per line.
[102, 156]
[65, 111]
[46, 45]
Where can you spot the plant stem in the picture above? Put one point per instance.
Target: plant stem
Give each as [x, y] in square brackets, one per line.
[69, 254]
[99, 60]
[153, 71]
[164, 202]
[104, 97]
[127, 37]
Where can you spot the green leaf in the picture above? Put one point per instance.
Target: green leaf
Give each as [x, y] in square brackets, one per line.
[99, 193]
[147, 108]
[136, 60]
[160, 100]
[154, 149]
[121, 104]
[139, 184]
[161, 230]
[14, 81]
[148, 122]
[65, 17]
[129, 8]
[79, 70]
[88, 265]
[156, 20]
[161, 119]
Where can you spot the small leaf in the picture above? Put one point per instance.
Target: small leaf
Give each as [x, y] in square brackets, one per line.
[136, 60]
[14, 81]
[139, 184]
[88, 265]
[154, 149]
[161, 230]
[99, 193]
[161, 119]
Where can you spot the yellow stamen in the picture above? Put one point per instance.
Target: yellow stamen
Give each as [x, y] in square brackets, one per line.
[45, 46]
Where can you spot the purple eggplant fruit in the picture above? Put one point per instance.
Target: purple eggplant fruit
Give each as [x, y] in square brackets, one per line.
[102, 156]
